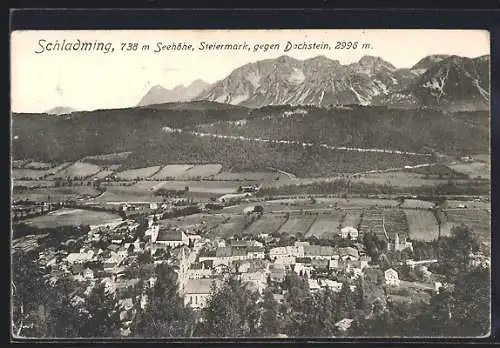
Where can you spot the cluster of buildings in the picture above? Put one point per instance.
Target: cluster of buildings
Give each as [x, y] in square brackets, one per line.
[114, 255]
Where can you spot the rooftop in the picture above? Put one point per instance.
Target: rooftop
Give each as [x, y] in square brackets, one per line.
[169, 235]
[198, 286]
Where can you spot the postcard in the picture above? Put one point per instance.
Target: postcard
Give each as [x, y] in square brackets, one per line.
[250, 184]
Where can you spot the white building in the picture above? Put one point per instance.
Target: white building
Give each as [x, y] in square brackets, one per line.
[349, 231]
[288, 253]
[197, 292]
[391, 277]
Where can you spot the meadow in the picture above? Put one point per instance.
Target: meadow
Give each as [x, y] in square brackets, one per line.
[74, 217]
[422, 225]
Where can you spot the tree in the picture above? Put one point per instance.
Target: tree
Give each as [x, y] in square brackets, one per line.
[269, 325]
[232, 311]
[472, 303]
[165, 314]
[103, 314]
[26, 283]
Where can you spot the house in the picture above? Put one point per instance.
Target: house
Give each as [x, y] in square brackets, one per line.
[349, 232]
[126, 305]
[317, 252]
[314, 285]
[301, 268]
[344, 324]
[172, 238]
[80, 257]
[88, 273]
[153, 206]
[391, 277]
[197, 292]
[126, 287]
[277, 273]
[348, 253]
[286, 255]
[109, 285]
[331, 284]
[152, 231]
[113, 261]
[198, 271]
[256, 280]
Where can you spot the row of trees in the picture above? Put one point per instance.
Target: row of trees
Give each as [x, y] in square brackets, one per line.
[343, 186]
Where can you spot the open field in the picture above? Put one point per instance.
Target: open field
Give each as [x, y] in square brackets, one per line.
[126, 197]
[395, 223]
[33, 183]
[422, 225]
[266, 224]
[171, 171]
[201, 170]
[325, 226]
[78, 169]
[482, 158]
[147, 186]
[139, 173]
[249, 176]
[38, 165]
[55, 193]
[58, 168]
[473, 169]
[215, 187]
[19, 163]
[351, 218]
[417, 204]
[297, 224]
[232, 226]
[372, 222]
[112, 157]
[102, 174]
[477, 219]
[195, 222]
[127, 193]
[454, 204]
[399, 178]
[32, 174]
[65, 217]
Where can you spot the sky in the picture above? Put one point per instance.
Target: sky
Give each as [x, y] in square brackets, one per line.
[89, 80]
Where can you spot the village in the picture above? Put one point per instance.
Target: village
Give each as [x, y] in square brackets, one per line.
[122, 255]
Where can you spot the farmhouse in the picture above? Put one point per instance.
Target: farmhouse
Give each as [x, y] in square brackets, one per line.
[391, 277]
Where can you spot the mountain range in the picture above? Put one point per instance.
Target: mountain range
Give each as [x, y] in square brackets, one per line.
[180, 93]
[446, 82]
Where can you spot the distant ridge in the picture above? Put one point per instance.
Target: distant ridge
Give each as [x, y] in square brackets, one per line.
[60, 110]
[180, 93]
